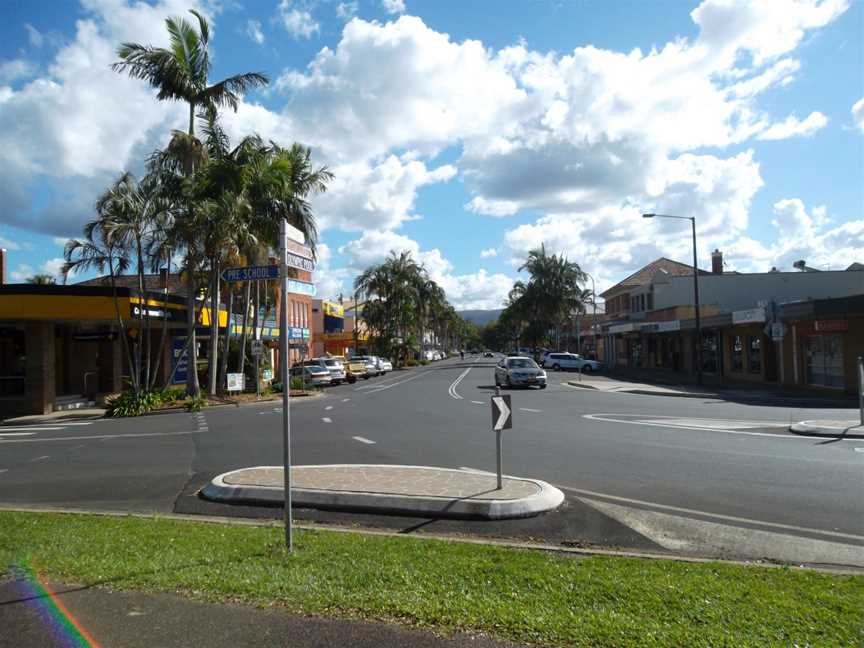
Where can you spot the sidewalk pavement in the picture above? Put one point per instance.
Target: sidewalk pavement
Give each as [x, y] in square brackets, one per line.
[602, 383]
[391, 489]
[851, 429]
[136, 619]
[56, 417]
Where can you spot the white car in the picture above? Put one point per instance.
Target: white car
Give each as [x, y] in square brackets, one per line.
[516, 370]
[569, 361]
[335, 367]
[386, 365]
[312, 374]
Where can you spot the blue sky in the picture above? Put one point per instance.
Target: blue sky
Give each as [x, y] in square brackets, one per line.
[469, 132]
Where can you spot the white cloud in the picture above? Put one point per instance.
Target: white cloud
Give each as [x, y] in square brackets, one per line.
[50, 267]
[480, 205]
[21, 273]
[7, 244]
[490, 252]
[393, 6]
[298, 21]
[376, 195]
[858, 113]
[792, 127]
[34, 35]
[14, 69]
[60, 240]
[347, 10]
[253, 31]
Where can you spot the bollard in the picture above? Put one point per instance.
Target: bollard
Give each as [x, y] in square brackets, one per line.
[861, 388]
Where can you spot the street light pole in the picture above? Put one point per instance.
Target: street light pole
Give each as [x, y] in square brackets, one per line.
[594, 317]
[692, 220]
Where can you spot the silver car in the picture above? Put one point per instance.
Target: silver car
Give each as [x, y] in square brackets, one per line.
[335, 367]
[518, 371]
[312, 374]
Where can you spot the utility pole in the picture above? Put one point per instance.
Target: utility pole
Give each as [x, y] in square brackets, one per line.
[286, 383]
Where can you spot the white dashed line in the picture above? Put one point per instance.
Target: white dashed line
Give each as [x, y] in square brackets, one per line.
[328, 408]
[327, 419]
[478, 402]
[28, 428]
[41, 458]
[345, 400]
[2, 470]
[363, 440]
[528, 409]
[78, 447]
[5, 434]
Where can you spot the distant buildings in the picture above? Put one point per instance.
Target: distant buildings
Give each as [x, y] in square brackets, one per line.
[792, 329]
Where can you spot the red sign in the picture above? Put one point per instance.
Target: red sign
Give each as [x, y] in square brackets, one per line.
[830, 326]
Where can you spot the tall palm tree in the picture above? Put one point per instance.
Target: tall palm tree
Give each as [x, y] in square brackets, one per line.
[181, 73]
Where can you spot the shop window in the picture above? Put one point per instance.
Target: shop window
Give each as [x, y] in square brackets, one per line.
[824, 360]
[12, 361]
[737, 354]
[754, 357]
[710, 355]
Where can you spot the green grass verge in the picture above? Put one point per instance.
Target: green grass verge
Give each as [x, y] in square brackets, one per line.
[526, 596]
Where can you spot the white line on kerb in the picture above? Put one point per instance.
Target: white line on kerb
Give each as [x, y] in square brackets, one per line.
[363, 440]
[452, 390]
[327, 419]
[719, 516]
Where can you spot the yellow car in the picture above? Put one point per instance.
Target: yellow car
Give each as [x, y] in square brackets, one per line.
[354, 368]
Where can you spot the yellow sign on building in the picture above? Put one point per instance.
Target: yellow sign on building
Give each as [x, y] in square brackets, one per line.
[333, 309]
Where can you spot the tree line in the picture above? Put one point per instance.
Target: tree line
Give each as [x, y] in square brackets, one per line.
[203, 204]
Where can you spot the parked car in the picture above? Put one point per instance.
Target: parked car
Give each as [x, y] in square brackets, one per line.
[386, 365]
[354, 368]
[312, 374]
[371, 362]
[334, 366]
[571, 361]
[518, 370]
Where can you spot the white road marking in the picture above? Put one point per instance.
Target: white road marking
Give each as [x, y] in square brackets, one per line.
[719, 516]
[28, 428]
[478, 402]
[64, 423]
[363, 440]
[452, 389]
[76, 447]
[380, 389]
[41, 458]
[100, 436]
[327, 419]
[607, 418]
[5, 434]
[528, 409]
[328, 408]
[345, 400]
[859, 449]
[2, 470]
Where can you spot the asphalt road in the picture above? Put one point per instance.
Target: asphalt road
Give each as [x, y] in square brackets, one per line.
[644, 472]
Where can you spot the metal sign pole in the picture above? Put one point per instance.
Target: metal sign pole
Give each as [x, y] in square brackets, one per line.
[861, 387]
[498, 449]
[286, 385]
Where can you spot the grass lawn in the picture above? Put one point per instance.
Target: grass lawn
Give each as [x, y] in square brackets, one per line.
[525, 596]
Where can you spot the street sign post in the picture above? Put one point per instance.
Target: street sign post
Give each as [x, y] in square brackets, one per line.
[250, 273]
[284, 235]
[257, 348]
[296, 261]
[502, 419]
[236, 382]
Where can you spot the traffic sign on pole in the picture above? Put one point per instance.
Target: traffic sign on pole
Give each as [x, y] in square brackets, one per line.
[286, 388]
[299, 262]
[502, 415]
[250, 273]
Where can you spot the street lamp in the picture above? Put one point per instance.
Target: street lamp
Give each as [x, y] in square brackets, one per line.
[692, 220]
[594, 318]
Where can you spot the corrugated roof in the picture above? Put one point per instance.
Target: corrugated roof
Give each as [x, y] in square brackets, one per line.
[643, 276]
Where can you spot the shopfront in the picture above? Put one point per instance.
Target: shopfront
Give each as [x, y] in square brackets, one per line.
[745, 346]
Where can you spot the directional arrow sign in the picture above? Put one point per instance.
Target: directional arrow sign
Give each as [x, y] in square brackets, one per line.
[502, 418]
[250, 273]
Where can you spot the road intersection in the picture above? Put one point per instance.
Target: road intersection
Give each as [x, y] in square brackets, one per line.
[688, 475]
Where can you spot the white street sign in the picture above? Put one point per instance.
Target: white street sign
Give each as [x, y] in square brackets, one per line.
[299, 262]
[236, 382]
[257, 348]
[501, 413]
[291, 233]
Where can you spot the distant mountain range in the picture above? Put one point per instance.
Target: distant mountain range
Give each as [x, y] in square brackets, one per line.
[480, 317]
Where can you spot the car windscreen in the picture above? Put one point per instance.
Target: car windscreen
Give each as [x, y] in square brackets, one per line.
[332, 363]
[521, 363]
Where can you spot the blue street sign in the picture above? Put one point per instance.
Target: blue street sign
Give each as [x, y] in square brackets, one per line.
[301, 287]
[250, 273]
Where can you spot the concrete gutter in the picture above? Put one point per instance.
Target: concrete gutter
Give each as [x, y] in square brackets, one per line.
[830, 428]
[419, 491]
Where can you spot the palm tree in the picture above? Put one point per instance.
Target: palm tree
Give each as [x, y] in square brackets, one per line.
[181, 73]
[42, 280]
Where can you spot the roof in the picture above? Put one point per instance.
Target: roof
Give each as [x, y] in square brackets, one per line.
[643, 276]
[152, 283]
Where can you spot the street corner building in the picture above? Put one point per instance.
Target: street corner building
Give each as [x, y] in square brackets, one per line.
[61, 346]
[795, 330]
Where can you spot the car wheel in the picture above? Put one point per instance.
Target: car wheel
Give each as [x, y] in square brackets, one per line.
[542, 386]
[556, 367]
[587, 369]
[366, 377]
[352, 380]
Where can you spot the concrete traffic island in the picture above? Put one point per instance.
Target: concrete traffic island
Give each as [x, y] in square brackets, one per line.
[830, 427]
[407, 490]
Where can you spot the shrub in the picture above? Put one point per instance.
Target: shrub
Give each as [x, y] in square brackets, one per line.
[296, 383]
[132, 403]
[194, 404]
[171, 395]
